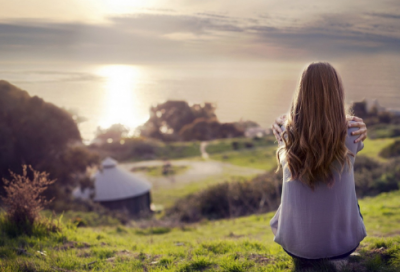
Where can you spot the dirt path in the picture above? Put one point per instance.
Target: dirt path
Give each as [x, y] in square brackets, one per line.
[203, 151]
[197, 171]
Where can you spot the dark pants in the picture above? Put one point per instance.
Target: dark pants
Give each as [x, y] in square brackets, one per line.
[347, 254]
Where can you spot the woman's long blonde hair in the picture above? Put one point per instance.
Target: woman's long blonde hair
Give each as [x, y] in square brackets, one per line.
[316, 127]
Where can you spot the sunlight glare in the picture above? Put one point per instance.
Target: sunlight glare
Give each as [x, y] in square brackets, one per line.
[121, 101]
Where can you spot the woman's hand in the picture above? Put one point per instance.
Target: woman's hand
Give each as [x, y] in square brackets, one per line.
[362, 131]
[276, 127]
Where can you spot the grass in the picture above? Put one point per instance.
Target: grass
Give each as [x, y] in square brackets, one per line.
[263, 157]
[241, 244]
[90, 219]
[372, 147]
[381, 214]
[259, 158]
[180, 150]
[167, 196]
[226, 145]
[383, 131]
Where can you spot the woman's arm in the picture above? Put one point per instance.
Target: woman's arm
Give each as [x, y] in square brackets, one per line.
[362, 131]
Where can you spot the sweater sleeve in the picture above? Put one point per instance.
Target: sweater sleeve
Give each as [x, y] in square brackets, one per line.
[360, 146]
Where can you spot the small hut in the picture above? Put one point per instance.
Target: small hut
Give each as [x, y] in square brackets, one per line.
[118, 189]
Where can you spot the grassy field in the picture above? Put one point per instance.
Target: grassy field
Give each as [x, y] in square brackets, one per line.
[260, 158]
[167, 196]
[138, 149]
[226, 145]
[263, 157]
[241, 244]
[383, 131]
[372, 147]
[233, 245]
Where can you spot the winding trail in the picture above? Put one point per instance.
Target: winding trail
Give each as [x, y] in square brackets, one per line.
[197, 171]
[203, 151]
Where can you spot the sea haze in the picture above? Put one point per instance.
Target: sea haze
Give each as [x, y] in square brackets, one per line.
[108, 94]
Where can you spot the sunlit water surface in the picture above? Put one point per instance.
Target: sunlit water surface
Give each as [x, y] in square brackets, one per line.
[109, 94]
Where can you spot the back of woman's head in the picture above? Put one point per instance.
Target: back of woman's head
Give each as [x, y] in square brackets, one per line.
[316, 127]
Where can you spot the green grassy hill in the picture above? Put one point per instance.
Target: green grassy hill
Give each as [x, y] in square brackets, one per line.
[241, 244]
[238, 244]
[263, 157]
[372, 147]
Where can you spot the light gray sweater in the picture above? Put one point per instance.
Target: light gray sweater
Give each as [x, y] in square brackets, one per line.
[322, 223]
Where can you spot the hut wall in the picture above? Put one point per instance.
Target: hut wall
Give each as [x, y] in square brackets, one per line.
[135, 205]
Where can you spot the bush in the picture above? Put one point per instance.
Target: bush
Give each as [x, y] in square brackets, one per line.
[262, 193]
[372, 178]
[383, 131]
[391, 151]
[23, 199]
[230, 199]
[365, 163]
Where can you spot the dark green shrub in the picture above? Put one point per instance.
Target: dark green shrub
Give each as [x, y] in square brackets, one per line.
[230, 199]
[372, 178]
[262, 194]
[391, 151]
[384, 131]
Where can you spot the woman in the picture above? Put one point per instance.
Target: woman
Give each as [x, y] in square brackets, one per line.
[319, 216]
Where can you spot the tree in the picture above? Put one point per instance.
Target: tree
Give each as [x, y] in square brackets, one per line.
[167, 119]
[115, 133]
[359, 109]
[43, 135]
[203, 129]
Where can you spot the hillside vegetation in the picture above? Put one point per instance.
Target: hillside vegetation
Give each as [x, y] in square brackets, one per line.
[241, 244]
[220, 223]
[373, 174]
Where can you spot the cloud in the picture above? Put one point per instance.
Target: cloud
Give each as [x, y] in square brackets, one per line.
[385, 15]
[170, 36]
[213, 15]
[166, 23]
[47, 76]
[332, 35]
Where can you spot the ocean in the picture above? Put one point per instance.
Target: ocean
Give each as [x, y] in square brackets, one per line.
[105, 94]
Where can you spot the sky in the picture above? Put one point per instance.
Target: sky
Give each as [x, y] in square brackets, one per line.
[118, 31]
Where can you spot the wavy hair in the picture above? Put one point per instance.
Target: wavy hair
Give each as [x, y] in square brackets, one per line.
[316, 128]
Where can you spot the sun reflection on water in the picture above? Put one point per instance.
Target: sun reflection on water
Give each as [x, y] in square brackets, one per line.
[122, 98]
